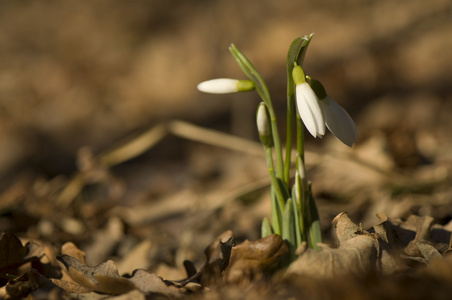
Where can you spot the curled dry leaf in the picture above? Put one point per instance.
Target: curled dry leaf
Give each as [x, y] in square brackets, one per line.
[218, 254]
[227, 263]
[257, 258]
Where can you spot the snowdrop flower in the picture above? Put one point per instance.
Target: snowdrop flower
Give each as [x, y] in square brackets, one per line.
[308, 104]
[337, 119]
[225, 86]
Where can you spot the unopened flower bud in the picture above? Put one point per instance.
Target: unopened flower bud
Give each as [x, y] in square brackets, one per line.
[225, 86]
[263, 125]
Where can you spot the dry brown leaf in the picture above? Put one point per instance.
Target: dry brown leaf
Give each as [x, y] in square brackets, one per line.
[102, 278]
[379, 249]
[113, 285]
[24, 284]
[358, 253]
[428, 251]
[412, 238]
[105, 278]
[70, 287]
[14, 255]
[12, 252]
[218, 254]
[71, 249]
[422, 227]
[256, 258]
[229, 264]
[332, 262]
[151, 283]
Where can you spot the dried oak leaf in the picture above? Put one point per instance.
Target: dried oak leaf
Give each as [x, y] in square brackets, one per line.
[379, 249]
[71, 249]
[358, 252]
[66, 282]
[257, 258]
[103, 278]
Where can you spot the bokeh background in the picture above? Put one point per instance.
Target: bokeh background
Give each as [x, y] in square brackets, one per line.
[75, 74]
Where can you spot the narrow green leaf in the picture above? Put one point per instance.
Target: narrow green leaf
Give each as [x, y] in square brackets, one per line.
[315, 232]
[276, 213]
[262, 90]
[266, 229]
[284, 190]
[288, 232]
[251, 72]
[298, 219]
[297, 52]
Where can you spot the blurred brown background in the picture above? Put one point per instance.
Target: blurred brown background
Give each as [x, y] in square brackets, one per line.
[78, 73]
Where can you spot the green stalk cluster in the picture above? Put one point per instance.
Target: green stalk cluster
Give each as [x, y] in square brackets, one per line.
[294, 214]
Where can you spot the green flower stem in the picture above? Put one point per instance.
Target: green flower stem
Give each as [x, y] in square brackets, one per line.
[289, 125]
[262, 90]
[300, 137]
[274, 180]
[298, 212]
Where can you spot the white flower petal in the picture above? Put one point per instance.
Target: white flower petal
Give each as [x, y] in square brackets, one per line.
[339, 121]
[309, 109]
[219, 86]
